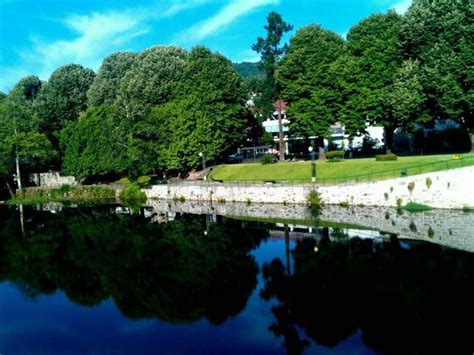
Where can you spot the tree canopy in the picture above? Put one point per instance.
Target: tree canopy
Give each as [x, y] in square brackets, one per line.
[105, 87]
[96, 144]
[439, 35]
[152, 80]
[63, 98]
[307, 80]
[271, 52]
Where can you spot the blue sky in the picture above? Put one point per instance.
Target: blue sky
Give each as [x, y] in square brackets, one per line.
[38, 36]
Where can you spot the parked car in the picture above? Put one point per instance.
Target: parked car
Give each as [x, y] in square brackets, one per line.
[234, 158]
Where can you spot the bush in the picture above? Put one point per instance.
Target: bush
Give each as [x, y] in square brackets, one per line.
[315, 203]
[335, 155]
[267, 159]
[386, 157]
[65, 193]
[132, 193]
[416, 207]
[123, 181]
[144, 181]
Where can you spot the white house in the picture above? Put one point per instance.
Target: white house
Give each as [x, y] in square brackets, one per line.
[338, 136]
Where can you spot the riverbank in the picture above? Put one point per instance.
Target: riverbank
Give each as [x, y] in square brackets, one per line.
[444, 227]
[66, 193]
[450, 189]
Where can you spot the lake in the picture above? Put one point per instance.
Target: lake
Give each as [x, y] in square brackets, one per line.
[197, 278]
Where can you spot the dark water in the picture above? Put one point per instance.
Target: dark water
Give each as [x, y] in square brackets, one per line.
[94, 281]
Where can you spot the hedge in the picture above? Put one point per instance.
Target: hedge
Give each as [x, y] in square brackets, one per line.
[386, 157]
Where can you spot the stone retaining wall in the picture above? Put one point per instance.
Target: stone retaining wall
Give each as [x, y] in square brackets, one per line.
[449, 189]
[445, 227]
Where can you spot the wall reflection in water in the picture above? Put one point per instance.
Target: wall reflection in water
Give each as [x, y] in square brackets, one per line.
[330, 284]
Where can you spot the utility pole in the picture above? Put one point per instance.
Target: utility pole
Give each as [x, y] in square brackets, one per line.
[280, 106]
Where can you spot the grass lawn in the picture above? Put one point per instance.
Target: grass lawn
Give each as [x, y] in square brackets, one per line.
[348, 170]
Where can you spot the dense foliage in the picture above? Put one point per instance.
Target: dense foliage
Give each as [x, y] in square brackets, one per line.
[307, 79]
[96, 144]
[156, 110]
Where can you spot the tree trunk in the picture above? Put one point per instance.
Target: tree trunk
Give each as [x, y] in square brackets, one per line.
[282, 137]
[471, 135]
[10, 190]
[18, 173]
[321, 150]
[388, 139]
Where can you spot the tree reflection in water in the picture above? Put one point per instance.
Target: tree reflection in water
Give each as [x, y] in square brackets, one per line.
[411, 299]
[170, 271]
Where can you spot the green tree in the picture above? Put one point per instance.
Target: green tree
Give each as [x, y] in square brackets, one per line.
[63, 98]
[271, 53]
[27, 89]
[373, 60]
[209, 116]
[439, 35]
[105, 86]
[152, 80]
[308, 82]
[405, 97]
[20, 143]
[98, 144]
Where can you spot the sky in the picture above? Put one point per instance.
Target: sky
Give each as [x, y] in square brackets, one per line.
[38, 36]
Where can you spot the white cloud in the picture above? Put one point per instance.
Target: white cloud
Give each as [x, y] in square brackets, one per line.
[228, 14]
[96, 35]
[402, 6]
[180, 6]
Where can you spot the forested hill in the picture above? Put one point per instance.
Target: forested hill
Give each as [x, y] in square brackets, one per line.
[248, 69]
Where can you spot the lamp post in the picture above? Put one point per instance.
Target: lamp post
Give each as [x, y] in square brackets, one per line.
[313, 165]
[201, 154]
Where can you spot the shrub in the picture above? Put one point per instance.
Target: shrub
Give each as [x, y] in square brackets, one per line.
[429, 182]
[411, 186]
[315, 199]
[386, 157]
[416, 207]
[315, 203]
[64, 189]
[132, 193]
[431, 233]
[123, 181]
[466, 209]
[144, 181]
[399, 202]
[267, 159]
[65, 193]
[335, 156]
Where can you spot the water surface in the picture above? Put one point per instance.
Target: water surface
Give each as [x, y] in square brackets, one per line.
[99, 280]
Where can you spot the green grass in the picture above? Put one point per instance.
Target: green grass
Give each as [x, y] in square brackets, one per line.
[348, 170]
[416, 207]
